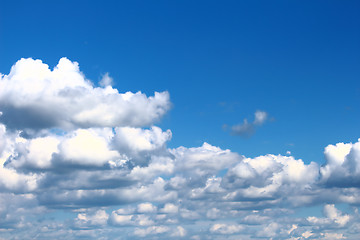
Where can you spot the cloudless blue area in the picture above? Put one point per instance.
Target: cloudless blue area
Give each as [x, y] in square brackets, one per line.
[220, 60]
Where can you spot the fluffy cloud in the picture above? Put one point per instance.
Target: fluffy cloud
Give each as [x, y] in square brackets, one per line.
[93, 156]
[83, 147]
[226, 228]
[90, 148]
[84, 220]
[146, 208]
[342, 166]
[34, 97]
[170, 208]
[268, 178]
[332, 217]
[204, 160]
[141, 144]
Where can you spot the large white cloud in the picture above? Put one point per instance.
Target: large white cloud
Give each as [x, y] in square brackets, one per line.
[83, 147]
[35, 97]
[92, 147]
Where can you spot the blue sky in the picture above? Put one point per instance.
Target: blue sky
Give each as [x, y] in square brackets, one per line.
[215, 65]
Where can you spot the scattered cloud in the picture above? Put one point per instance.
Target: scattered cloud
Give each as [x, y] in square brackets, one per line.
[260, 117]
[333, 217]
[247, 129]
[106, 80]
[87, 162]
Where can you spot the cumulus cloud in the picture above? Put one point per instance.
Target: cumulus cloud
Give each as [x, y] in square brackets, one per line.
[82, 147]
[170, 208]
[269, 178]
[140, 144]
[34, 97]
[94, 156]
[146, 208]
[84, 220]
[342, 166]
[204, 160]
[332, 217]
[247, 129]
[226, 228]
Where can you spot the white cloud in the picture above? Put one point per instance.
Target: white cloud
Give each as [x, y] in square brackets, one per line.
[260, 117]
[332, 216]
[271, 230]
[203, 160]
[247, 129]
[342, 166]
[157, 166]
[179, 232]
[333, 236]
[17, 211]
[255, 219]
[146, 208]
[106, 80]
[12, 181]
[223, 228]
[139, 144]
[189, 214]
[244, 129]
[270, 177]
[33, 96]
[118, 219]
[81, 149]
[170, 208]
[153, 230]
[307, 234]
[87, 147]
[98, 218]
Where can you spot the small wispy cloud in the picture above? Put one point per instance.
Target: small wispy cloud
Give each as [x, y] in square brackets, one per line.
[260, 117]
[106, 80]
[246, 128]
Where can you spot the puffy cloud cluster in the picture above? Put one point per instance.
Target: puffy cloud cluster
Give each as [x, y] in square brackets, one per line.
[87, 162]
[269, 179]
[34, 97]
